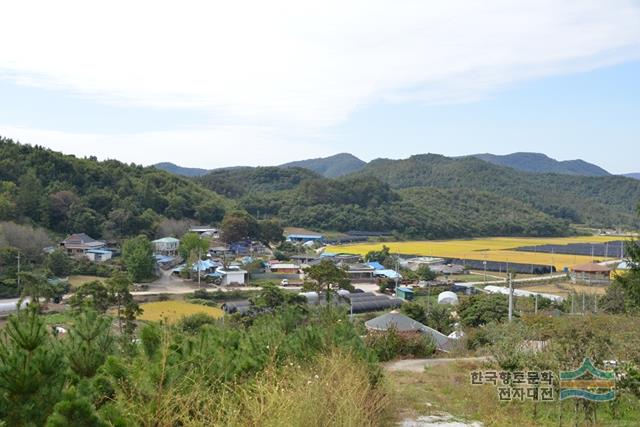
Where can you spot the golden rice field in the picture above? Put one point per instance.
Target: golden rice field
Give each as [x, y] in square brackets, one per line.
[489, 249]
[172, 311]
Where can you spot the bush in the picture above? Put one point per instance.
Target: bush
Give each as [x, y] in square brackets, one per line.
[392, 344]
[194, 322]
[88, 268]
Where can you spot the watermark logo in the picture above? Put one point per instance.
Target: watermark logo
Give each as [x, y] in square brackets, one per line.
[518, 385]
[588, 382]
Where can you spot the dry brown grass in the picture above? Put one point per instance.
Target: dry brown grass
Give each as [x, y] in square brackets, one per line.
[334, 390]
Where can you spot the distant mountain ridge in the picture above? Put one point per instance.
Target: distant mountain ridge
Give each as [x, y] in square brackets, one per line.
[541, 163]
[179, 170]
[632, 175]
[330, 167]
[601, 201]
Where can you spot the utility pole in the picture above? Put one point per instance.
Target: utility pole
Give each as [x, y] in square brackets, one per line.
[536, 308]
[484, 264]
[397, 274]
[510, 297]
[198, 266]
[18, 278]
[583, 307]
[573, 301]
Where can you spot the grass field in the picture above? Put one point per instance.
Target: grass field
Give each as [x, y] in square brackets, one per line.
[565, 289]
[172, 311]
[77, 281]
[489, 249]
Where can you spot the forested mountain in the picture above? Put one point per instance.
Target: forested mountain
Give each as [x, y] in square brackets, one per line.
[597, 201]
[330, 167]
[541, 163]
[425, 196]
[235, 182]
[103, 199]
[179, 170]
[419, 213]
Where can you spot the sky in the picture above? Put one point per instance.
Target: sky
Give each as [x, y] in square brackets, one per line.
[217, 83]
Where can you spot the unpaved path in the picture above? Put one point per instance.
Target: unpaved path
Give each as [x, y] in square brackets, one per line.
[418, 365]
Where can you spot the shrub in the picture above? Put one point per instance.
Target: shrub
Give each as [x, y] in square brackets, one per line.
[391, 344]
[194, 322]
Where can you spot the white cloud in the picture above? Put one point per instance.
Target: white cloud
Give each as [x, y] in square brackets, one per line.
[305, 63]
[209, 148]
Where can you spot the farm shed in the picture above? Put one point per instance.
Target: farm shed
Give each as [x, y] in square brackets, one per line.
[405, 293]
[281, 268]
[591, 274]
[98, 255]
[303, 238]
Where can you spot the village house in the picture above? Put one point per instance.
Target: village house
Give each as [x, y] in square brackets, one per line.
[360, 272]
[166, 246]
[77, 245]
[305, 259]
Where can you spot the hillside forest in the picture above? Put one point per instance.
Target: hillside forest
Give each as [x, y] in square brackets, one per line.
[425, 196]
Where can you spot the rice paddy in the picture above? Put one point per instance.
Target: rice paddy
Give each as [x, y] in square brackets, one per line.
[488, 249]
[172, 311]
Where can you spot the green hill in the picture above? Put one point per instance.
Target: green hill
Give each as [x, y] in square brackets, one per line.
[179, 170]
[238, 181]
[330, 167]
[103, 199]
[541, 163]
[300, 198]
[608, 201]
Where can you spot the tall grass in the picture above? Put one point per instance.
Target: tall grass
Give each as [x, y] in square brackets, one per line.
[332, 389]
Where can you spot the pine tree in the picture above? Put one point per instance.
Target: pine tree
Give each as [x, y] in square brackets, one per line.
[32, 370]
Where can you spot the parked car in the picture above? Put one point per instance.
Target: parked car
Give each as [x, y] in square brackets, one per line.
[285, 282]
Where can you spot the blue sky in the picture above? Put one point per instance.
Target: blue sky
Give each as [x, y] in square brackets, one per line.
[295, 80]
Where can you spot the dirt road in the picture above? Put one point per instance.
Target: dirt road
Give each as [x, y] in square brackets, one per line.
[418, 365]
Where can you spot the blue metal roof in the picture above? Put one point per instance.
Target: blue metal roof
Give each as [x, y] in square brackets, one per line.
[405, 289]
[376, 265]
[205, 265]
[98, 251]
[163, 258]
[304, 236]
[389, 274]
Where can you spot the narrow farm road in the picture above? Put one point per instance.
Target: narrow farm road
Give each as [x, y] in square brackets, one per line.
[418, 365]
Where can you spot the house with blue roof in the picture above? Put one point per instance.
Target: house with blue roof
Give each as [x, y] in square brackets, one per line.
[376, 265]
